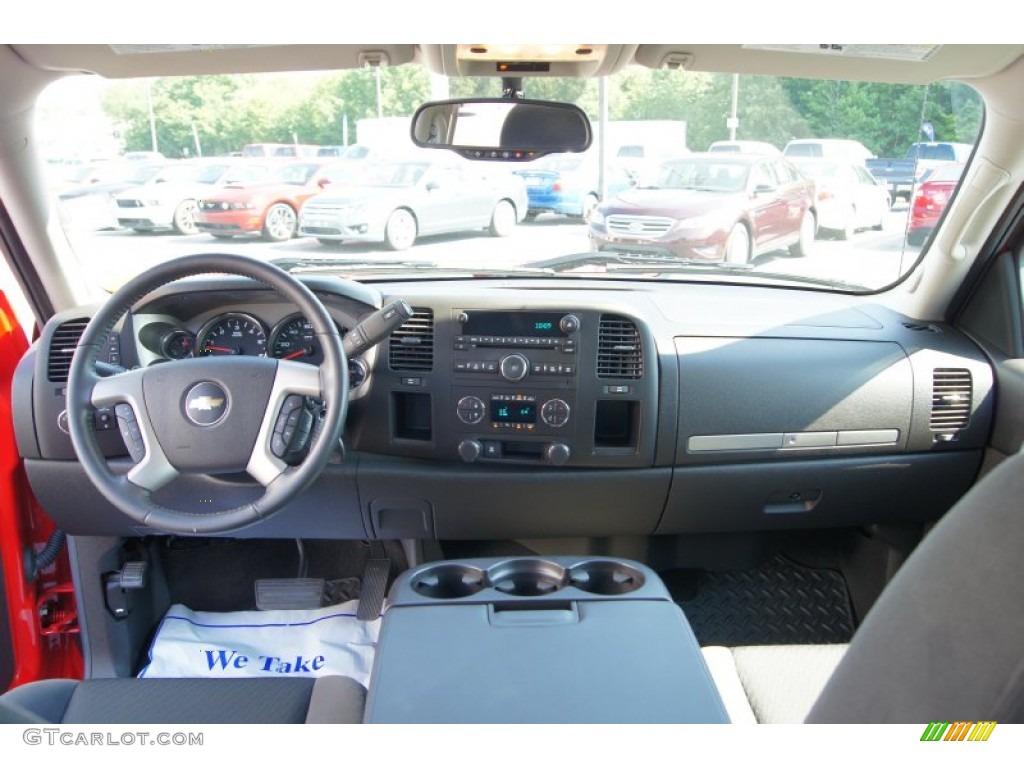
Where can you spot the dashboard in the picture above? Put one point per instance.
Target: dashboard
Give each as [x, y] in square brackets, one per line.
[552, 408]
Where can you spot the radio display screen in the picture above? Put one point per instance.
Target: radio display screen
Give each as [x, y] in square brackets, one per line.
[536, 324]
[514, 411]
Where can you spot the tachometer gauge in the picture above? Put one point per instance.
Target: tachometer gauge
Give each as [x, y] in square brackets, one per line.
[233, 334]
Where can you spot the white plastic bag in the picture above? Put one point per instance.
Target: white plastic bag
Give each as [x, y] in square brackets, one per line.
[304, 643]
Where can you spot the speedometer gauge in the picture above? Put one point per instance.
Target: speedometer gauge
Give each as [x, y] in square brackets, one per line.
[295, 339]
[233, 334]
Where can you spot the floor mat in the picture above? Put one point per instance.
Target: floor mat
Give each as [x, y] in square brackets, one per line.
[220, 574]
[778, 603]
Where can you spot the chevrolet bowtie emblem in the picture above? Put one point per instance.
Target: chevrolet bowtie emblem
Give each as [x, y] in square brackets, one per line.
[205, 403]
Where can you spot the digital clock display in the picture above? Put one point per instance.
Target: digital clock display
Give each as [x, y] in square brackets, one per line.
[514, 324]
[513, 412]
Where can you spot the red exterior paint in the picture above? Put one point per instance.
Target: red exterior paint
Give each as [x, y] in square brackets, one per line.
[38, 653]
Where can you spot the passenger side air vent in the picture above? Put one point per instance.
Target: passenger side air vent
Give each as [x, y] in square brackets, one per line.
[619, 354]
[412, 345]
[951, 402]
[62, 347]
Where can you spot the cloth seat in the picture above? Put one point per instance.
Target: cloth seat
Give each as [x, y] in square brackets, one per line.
[333, 699]
[943, 641]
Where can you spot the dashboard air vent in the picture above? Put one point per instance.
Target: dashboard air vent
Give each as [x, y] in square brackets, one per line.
[62, 347]
[951, 401]
[412, 344]
[619, 354]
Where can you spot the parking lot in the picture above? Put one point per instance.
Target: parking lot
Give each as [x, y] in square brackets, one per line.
[870, 259]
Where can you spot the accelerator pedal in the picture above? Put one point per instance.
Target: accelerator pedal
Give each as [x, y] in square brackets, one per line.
[375, 583]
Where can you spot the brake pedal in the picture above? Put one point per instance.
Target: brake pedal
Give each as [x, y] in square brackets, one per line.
[289, 594]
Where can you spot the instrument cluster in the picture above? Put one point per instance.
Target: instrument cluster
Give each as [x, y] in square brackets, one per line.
[240, 333]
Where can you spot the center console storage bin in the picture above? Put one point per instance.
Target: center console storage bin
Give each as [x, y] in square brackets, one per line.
[538, 640]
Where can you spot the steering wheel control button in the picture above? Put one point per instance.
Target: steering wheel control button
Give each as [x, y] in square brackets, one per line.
[514, 367]
[471, 410]
[206, 404]
[130, 432]
[555, 413]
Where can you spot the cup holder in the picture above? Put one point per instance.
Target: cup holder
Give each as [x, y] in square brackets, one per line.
[449, 581]
[605, 577]
[527, 577]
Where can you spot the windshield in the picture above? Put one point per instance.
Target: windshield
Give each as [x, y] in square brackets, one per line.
[394, 174]
[702, 175]
[647, 191]
[299, 173]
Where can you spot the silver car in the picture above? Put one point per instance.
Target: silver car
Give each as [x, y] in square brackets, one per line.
[397, 202]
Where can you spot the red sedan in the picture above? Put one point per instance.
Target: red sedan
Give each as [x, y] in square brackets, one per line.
[269, 208]
[712, 207]
[930, 201]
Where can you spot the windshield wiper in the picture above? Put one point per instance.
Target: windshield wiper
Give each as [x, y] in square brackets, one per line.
[298, 265]
[633, 258]
[640, 260]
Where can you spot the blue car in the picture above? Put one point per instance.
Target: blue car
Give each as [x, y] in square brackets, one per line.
[569, 184]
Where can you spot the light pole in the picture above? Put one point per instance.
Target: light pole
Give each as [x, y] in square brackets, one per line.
[152, 117]
[734, 121]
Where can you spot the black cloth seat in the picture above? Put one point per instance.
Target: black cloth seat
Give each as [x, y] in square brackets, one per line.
[944, 640]
[172, 701]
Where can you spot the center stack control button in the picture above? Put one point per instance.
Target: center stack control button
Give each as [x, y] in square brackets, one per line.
[470, 410]
[514, 367]
[555, 413]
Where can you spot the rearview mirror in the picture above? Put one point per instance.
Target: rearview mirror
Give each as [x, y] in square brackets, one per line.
[501, 129]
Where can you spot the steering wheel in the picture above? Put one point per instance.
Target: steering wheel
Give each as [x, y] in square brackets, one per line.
[206, 415]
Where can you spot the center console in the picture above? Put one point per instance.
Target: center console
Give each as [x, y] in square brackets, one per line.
[538, 640]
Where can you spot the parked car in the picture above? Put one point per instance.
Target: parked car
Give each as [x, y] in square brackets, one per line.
[93, 206]
[280, 150]
[144, 156]
[833, 149]
[744, 146]
[168, 200]
[902, 174]
[269, 207]
[569, 184]
[713, 207]
[397, 202]
[930, 201]
[848, 197]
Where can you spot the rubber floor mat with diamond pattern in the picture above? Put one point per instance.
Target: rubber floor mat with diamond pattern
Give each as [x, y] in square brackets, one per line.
[778, 603]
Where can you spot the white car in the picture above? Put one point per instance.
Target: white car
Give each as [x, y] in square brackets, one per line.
[169, 200]
[744, 146]
[829, 149]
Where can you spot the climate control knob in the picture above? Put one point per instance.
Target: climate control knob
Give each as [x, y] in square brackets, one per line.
[514, 367]
[557, 454]
[470, 410]
[555, 413]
